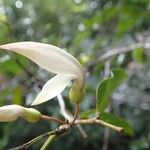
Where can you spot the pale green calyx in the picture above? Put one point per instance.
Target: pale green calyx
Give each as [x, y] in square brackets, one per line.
[12, 112]
[57, 61]
[77, 92]
[32, 115]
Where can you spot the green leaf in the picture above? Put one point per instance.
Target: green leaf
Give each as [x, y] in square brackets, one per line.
[80, 37]
[139, 56]
[17, 96]
[3, 18]
[101, 17]
[129, 17]
[9, 65]
[106, 87]
[87, 114]
[109, 118]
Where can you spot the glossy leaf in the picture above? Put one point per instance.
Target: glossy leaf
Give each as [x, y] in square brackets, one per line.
[88, 113]
[107, 86]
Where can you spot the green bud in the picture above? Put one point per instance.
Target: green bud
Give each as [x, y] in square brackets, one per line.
[31, 115]
[76, 93]
[12, 112]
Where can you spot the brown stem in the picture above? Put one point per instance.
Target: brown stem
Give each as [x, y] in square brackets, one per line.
[25, 146]
[54, 119]
[77, 109]
[64, 128]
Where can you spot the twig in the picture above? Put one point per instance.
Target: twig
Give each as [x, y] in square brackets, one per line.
[44, 117]
[64, 128]
[25, 146]
[115, 51]
[77, 109]
[68, 115]
[101, 122]
[48, 141]
[107, 69]
[106, 130]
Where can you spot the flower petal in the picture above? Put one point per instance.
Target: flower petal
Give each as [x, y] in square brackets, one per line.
[10, 112]
[53, 87]
[47, 56]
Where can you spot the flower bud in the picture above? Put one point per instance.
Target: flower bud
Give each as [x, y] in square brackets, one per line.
[76, 93]
[12, 112]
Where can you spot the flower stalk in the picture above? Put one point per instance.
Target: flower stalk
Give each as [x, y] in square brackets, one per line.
[77, 110]
[54, 119]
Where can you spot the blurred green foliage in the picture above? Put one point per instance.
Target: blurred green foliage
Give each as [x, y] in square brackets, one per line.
[139, 55]
[85, 29]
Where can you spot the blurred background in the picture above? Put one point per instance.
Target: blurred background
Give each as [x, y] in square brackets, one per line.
[86, 29]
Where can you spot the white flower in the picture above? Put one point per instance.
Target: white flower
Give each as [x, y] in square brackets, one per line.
[56, 61]
[12, 112]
